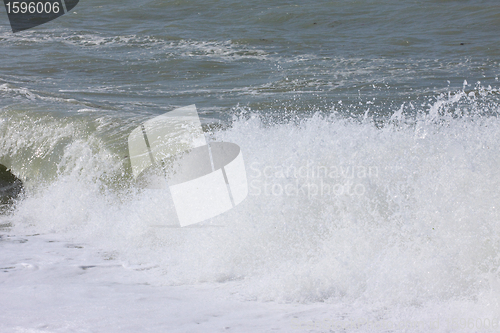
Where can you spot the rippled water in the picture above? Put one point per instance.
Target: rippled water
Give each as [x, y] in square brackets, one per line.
[369, 131]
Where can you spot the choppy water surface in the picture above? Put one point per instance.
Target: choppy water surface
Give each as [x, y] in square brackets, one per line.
[369, 130]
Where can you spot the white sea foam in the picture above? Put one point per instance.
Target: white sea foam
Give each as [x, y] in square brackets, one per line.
[403, 217]
[378, 213]
[399, 220]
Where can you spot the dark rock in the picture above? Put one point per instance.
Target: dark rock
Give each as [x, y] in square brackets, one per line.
[10, 186]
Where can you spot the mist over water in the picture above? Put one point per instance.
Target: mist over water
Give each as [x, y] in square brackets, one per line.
[341, 210]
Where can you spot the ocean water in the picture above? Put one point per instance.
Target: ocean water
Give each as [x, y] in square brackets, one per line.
[369, 130]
